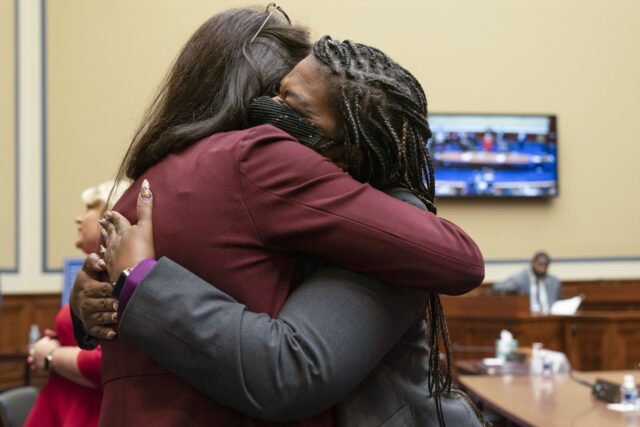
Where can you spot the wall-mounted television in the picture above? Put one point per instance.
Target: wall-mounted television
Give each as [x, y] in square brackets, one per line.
[494, 155]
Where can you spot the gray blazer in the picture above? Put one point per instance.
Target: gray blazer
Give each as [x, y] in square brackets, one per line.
[520, 284]
[332, 331]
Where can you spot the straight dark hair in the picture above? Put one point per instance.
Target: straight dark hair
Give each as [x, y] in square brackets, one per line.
[212, 81]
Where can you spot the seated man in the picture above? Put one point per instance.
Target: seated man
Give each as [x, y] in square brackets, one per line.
[542, 288]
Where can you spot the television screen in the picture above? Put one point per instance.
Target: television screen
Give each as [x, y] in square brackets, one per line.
[497, 155]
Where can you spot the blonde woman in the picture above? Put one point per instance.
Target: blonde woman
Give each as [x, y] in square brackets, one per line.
[73, 394]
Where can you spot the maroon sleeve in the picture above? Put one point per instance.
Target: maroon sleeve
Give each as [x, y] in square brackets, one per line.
[89, 362]
[301, 201]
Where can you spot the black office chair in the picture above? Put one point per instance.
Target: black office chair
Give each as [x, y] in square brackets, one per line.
[15, 405]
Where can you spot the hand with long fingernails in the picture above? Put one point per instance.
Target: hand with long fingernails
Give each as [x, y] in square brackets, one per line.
[91, 300]
[128, 244]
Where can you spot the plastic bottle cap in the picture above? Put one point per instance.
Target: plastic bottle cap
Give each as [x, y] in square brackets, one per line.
[506, 335]
[629, 381]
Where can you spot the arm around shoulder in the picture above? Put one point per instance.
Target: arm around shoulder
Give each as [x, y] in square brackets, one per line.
[330, 334]
[316, 208]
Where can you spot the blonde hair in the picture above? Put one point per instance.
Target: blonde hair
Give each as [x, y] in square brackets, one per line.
[102, 191]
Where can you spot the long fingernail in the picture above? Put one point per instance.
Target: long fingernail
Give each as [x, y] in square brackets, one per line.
[114, 316]
[145, 192]
[115, 306]
[102, 249]
[103, 222]
[110, 335]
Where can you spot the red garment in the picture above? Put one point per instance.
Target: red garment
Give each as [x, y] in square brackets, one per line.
[488, 142]
[235, 209]
[61, 402]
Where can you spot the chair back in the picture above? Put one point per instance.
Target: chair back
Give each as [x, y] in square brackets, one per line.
[15, 405]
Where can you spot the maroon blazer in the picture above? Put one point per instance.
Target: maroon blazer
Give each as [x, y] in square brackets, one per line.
[237, 209]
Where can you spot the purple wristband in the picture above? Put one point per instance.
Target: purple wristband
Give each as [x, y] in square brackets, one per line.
[136, 276]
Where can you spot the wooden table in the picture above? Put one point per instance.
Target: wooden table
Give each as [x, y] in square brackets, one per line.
[477, 367]
[558, 401]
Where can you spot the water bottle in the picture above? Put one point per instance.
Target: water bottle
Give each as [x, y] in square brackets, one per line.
[536, 363]
[34, 334]
[629, 391]
[547, 365]
[505, 345]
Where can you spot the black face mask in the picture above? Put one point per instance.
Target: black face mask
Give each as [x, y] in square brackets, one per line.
[264, 110]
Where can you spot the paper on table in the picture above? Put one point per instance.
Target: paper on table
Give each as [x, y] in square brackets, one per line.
[566, 307]
[493, 361]
[622, 407]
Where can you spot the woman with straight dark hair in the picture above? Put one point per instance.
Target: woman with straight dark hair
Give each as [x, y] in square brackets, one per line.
[212, 82]
[237, 208]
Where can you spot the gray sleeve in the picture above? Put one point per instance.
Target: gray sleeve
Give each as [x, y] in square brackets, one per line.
[331, 332]
[511, 284]
[508, 285]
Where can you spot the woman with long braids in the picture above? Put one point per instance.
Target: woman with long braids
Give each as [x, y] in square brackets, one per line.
[312, 207]
[384, 109]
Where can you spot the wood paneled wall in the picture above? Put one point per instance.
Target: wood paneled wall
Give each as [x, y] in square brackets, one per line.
[598, 295]
[604, 334]
[17, 314]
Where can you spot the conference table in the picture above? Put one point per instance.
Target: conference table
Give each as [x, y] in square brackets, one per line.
[557, 401]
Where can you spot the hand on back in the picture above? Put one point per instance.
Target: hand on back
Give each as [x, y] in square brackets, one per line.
[91, 297]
